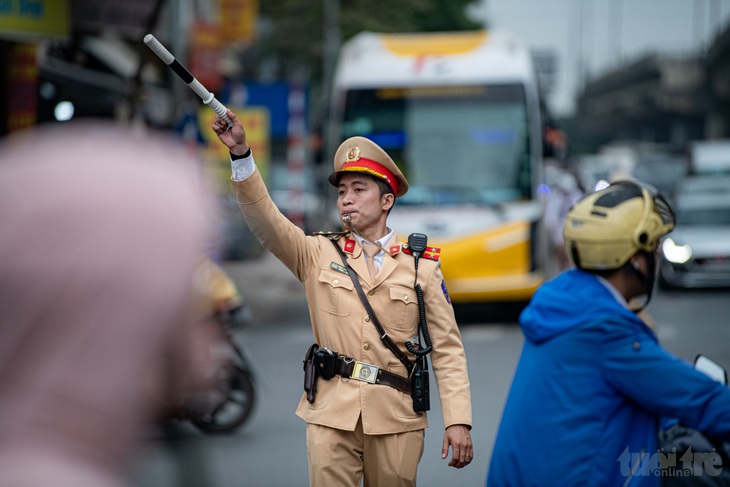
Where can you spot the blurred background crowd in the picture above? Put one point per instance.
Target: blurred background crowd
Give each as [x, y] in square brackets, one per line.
[615, 89]
[619, 99]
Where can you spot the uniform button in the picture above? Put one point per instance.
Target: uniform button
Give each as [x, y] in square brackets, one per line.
[367, 318]
[366, 346]
[371, 292]
[336, 281]
[405, 298]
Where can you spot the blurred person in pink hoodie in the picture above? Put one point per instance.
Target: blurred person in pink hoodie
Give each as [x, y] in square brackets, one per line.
[101, 231]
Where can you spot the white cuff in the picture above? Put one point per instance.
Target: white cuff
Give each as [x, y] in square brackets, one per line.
[242, 168]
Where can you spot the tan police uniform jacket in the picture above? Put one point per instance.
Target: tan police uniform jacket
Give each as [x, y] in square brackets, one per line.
[340, 323]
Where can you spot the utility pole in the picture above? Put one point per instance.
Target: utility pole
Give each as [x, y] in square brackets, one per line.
[332, 42]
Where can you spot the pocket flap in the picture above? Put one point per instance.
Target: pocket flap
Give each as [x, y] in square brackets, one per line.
[403, 294]
[335, 279]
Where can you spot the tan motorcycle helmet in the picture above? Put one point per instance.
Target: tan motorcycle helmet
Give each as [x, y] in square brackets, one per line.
[605, 228]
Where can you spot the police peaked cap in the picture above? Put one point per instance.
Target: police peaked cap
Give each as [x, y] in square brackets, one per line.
[359, 154]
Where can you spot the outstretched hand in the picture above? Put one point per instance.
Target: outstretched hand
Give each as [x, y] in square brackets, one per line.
[462, 449]
[234, 137]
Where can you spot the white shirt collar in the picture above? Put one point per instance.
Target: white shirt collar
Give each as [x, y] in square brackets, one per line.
[383, 241]
[378, 259]
[619, 297]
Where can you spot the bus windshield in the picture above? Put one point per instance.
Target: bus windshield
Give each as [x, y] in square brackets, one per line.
[455, 144]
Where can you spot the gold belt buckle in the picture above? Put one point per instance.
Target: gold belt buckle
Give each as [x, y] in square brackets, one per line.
[365, 372]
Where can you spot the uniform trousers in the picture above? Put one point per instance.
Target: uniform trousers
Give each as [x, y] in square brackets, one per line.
[339, 457]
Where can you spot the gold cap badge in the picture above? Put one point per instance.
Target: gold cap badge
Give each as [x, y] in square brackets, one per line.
[353, 154]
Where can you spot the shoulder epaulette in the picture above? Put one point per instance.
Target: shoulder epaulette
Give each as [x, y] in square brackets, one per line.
[331, 235]
[432, 253]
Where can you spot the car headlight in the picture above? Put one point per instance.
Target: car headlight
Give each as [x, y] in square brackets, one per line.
[676, 254]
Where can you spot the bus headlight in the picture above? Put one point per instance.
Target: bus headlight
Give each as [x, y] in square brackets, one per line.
[676, 254]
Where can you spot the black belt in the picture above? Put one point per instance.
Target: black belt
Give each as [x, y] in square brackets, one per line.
[352, 369]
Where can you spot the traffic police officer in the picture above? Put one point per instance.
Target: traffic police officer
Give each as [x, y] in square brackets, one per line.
[358, 428]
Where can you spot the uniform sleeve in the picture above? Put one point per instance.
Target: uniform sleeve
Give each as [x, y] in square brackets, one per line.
[448, 357]
[641, 369]
[276, 233]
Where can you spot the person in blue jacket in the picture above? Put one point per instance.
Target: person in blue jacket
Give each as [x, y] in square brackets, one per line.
[592, 380]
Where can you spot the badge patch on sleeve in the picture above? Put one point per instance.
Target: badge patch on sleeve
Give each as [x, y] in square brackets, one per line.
[446, 293]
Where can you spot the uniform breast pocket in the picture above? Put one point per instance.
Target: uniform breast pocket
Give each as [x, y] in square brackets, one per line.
[402, 312]
[334, 291]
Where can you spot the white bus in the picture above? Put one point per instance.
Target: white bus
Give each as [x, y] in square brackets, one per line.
[460, 114]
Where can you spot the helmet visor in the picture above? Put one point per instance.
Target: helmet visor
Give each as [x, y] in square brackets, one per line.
[661, 205]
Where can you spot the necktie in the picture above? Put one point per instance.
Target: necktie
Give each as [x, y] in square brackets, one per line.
[370, 250]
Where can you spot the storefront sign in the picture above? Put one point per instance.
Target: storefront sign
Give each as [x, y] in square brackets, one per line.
[204, 58]
[238, 20]
[256, 121]
[22, 76]
[23, 20]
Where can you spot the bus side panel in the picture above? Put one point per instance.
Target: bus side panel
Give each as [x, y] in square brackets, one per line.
[496, 265]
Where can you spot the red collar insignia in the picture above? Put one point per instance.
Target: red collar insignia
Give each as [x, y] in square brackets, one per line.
[349, 245]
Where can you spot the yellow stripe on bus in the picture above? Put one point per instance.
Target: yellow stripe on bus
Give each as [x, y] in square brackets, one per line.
[490, 266]
[434, 44]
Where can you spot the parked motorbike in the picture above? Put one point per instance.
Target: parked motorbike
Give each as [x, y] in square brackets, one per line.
[229, 404]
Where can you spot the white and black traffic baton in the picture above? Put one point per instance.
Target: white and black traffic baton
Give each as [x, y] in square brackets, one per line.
[188, 78]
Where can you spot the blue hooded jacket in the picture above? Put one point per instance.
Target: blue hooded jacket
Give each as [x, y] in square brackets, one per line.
[589, 389]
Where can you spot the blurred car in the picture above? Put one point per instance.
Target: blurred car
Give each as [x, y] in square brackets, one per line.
[697, 253]
[715, 184]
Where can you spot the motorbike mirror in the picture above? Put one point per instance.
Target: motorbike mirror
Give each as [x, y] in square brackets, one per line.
[711, 368]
